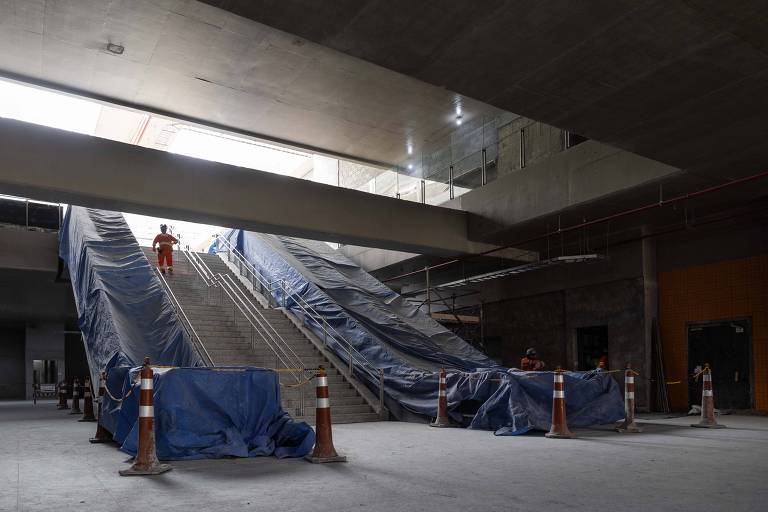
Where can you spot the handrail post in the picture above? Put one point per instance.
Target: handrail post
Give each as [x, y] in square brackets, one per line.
[325, 332]
[301, 398]
[381, 390]
[349, 350]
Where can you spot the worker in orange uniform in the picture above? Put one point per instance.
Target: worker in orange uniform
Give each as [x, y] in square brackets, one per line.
[602, 363]
[165, 243]
[531, 362]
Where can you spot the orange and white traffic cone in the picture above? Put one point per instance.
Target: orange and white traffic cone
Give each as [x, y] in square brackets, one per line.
[629, 425]
[324, 450]
[442, 420]
[559, 427]
[102, 434]
[707, 401]
[87, 402]
[146, 462]
[75, 397]
[62, 396]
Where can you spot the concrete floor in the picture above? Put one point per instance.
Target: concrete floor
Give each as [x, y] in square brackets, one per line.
[46, 463]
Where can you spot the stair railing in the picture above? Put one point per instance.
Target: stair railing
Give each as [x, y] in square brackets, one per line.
[185, 322]
[286, 358]
[355, 359]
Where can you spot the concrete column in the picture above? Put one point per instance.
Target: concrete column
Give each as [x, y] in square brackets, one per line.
[651, 311]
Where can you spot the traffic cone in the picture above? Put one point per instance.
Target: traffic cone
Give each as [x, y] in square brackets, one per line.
[629, 425]
[324, 450]
[707, 402]
[87, 402]
[442, 420]
[559, 427]
[146, 462]
[102, 434]
[62, 395]
[75, 397]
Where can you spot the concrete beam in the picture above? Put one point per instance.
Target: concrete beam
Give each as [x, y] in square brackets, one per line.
[578, 176]
[29, 250]
[49, 164]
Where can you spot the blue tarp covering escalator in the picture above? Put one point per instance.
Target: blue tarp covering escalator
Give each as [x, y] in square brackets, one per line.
[125, 315]
[410, 347]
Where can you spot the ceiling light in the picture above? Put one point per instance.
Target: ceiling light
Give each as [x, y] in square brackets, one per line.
[410, 166]
[409, 147]
[117, 49]
[458, 119]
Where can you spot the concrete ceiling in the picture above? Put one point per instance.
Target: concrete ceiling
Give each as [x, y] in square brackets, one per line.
[200, 63]
[681, 82]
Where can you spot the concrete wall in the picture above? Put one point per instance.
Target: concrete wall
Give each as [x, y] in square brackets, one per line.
[44, 340]
[29, 250]
[549, 322]
[552, 183]
[12, 360]
[371, 259]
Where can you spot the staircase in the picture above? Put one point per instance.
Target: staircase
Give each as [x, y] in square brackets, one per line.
[227, 335]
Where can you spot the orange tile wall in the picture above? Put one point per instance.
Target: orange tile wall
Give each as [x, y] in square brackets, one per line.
[719, 291]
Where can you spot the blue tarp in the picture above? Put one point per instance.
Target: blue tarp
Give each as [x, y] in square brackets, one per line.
[123, 311]
[125, 315]
[409, 346]
[210, 413]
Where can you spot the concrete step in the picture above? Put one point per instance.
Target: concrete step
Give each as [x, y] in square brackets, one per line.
[342, 418]
[227, 336]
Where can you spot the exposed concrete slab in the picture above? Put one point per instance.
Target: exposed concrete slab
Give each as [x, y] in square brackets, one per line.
[672, 80]
[44, 163]
[197, 62]
[48, 464]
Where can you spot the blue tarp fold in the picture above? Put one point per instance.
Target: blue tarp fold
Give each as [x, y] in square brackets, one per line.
[409, 346]
[123, 311]
[212, 413]
[125, 315]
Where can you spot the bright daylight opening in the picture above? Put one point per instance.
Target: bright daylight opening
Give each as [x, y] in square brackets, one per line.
[66, 112]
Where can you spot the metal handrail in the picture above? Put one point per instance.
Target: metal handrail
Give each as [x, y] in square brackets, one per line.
[289, 359]
[188, 325]
[354, 355]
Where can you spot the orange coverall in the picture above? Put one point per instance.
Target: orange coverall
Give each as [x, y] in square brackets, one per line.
[530, 365]
[165, 251]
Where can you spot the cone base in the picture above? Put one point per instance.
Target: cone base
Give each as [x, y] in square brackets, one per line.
[708, 425]
[560, 435]
[322, 460]
[152, 470]
[84, 419]
[75, 411]
[97, 440]
[442, 423]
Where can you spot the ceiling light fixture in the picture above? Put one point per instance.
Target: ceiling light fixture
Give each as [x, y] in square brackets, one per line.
[117, 49]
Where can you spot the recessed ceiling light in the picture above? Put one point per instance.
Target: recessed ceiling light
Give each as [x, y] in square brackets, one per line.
[117, 49]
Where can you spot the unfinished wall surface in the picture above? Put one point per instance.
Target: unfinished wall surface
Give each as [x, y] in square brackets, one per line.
[11, 360]
[724, 290]
[549, 323]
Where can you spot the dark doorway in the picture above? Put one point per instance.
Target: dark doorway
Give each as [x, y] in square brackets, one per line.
[591, 345]
[726, 347]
